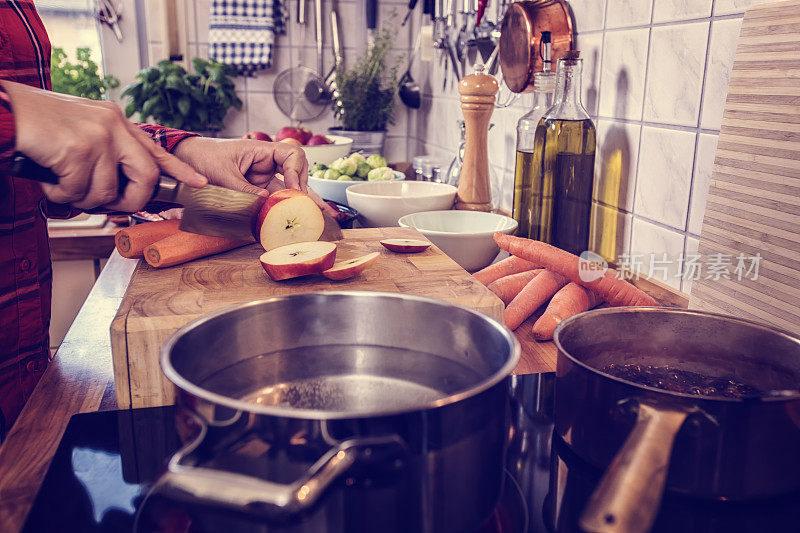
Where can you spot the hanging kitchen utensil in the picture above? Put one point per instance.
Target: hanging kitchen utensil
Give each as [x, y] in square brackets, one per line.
[338, 58]
[372, 21]
[409, 91]
[520, 33]
[108, 13]
[316, 90]
[411, 5]
[290, 85]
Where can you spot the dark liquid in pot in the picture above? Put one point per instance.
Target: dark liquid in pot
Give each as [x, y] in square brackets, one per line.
[674, 380]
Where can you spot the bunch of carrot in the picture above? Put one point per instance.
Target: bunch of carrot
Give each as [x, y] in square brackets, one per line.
[538, 272]
[163, 244]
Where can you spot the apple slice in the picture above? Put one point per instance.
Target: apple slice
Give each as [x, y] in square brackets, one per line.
[298, 259]
[406, 246]
[351, 267]
[288, 216]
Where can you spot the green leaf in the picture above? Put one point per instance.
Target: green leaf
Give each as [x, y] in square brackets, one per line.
[184, 105]
[130, 109]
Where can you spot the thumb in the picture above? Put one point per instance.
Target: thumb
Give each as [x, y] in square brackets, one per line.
[239, 183]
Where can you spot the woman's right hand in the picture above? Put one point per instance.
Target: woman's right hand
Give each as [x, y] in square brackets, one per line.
[83, 142]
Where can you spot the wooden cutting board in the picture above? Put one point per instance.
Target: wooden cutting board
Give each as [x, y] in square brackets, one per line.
[159, 301]
[754, 198]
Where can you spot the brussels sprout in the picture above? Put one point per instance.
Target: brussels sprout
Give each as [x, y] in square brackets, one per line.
[377, 161]
[335, 165]
[348, 166]
[363, 169]
[357, 157]
[318, 166]
[332, 174]
[380, 174]
[344, 177]
[318, 174]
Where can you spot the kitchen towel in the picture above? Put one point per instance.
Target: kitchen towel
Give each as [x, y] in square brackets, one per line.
[242, 33]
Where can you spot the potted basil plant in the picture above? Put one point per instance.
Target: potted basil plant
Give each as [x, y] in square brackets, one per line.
[174, 98]
[364, 101]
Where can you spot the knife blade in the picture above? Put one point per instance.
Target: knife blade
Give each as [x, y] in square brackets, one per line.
[211, 210]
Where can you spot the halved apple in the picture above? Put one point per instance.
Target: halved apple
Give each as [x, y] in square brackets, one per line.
[406, 246]
[288, 216]
[298, 259]
[351, 267]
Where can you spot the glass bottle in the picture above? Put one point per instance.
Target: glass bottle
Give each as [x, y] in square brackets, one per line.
[454, 172]
[562, 166]
[544, 83]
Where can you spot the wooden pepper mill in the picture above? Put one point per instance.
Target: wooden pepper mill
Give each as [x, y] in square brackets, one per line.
[477, 103]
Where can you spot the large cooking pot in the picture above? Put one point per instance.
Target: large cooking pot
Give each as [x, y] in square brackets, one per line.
[344, 402]
[649, 438]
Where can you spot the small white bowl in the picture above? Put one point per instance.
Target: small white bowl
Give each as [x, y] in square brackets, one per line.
[466, 236]
[335, 189]
[328, 153]
[382, 203]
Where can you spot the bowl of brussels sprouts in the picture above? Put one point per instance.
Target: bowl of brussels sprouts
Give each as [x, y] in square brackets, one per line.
[331, 181]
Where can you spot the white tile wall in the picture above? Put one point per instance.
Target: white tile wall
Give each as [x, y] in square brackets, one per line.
[655, 71]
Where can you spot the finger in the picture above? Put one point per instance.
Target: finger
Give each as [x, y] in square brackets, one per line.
[292, 163]
[74, 177]
[104, 186]
[238, 182]
[166, 162]
[142, 172]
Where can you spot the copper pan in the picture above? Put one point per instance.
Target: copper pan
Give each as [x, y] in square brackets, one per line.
[521, 30]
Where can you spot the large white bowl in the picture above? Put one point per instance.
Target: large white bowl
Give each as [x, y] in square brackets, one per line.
[382, 203]
[328, 153]
[466, 236]
[335, 189]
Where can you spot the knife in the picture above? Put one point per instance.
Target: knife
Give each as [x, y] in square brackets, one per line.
[210, 210]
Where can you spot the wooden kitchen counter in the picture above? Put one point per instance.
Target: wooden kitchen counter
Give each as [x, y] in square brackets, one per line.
[80, 379]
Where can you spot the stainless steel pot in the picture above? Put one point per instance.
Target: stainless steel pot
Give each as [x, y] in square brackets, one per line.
[649, 438]
[343, 400]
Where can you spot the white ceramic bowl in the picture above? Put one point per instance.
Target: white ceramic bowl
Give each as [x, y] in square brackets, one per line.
[466, 236]
[382, 203]
[335, 189]
[328, 153]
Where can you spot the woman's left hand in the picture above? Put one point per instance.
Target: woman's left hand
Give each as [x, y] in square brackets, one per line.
[245, 165]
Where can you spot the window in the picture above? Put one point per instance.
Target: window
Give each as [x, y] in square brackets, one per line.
[71, 25]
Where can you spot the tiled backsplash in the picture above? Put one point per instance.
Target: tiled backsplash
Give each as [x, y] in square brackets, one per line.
[296, 47]
[655, 79]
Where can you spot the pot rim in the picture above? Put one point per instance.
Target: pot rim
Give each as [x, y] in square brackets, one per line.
[310, 414]
[676, 311]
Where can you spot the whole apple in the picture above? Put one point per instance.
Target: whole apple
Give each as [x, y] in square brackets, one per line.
[292, 141]
[302, 135]
[257, 135]
[317, 140]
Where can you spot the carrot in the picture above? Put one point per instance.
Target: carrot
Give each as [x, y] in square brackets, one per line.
[536, 292]
[501, 269]
[183, 246]
[509, 286]
[132, 241]
[570, 300]
[616, 292]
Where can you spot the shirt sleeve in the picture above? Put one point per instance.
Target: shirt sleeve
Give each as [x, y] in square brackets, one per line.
[167, 138]
[7, 132]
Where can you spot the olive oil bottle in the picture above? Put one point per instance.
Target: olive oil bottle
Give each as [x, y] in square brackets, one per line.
[560, 170]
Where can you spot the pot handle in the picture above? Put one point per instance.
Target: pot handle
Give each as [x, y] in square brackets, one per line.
[629, 494]
[261, 497]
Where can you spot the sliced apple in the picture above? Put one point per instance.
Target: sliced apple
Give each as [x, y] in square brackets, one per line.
[288, 216]
[298, 259]
[351, 267]
[406, 246]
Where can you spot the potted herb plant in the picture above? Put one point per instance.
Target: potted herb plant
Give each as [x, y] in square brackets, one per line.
[364, 102]
[174, 98]
[81, 78]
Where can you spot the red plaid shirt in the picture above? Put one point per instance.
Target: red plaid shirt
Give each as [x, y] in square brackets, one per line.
[25, 270]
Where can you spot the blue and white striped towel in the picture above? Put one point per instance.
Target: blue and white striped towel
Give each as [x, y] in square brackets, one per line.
[242, 33]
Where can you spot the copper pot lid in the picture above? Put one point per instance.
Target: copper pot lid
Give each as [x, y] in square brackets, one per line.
[521, 31]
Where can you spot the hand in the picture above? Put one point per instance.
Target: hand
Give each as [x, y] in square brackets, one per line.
[245, 165]
[84, 142]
